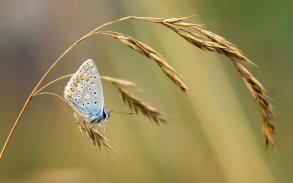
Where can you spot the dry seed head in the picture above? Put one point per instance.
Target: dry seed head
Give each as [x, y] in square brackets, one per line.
[139, 106]
[120, 82]
[176, 80]
[210, 41]
[145, 50]
[206, 40]
[154, 55]
[133, 102]
[96, 137]
[260, 97]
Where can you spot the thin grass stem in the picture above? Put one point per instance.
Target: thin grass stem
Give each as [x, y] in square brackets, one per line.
[16, 122]
[52, 82]
[214, 43]
[54, 94]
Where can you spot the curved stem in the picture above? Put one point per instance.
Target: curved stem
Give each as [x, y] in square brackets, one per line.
[35, 89]
[150, 19]
[50, 83]
[54, 94]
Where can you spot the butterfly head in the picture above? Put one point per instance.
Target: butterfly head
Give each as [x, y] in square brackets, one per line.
[106, 115]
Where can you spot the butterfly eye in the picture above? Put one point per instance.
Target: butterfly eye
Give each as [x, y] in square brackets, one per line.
[95, 77]
[90, 89]
[88, 103]
[84, 84]
[78, 96]
[91, 76]
[95, 93]
[75, 100]
[95, 102]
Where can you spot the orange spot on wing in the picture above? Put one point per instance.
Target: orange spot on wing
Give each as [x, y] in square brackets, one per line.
[72, 89]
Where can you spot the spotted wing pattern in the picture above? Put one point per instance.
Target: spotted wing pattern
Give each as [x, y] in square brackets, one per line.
[84, 92]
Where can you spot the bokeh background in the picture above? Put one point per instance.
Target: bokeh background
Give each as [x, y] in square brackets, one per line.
[214, 134]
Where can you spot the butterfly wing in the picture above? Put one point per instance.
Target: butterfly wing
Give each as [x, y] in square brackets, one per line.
[84, 91]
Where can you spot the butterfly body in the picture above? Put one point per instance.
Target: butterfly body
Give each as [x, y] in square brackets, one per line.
[85, 94]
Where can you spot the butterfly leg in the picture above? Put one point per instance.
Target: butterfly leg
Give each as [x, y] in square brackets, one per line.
[102, 126]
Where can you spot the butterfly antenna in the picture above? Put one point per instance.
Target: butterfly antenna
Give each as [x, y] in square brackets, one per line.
[121, 112]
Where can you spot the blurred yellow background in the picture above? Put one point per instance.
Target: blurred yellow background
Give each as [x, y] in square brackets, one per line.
[214, 134]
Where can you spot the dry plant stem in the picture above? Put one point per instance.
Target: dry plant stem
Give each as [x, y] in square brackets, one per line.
[149, 53]
[96, 137]
[49, 70]
[133, 102]
[139, 47]
[115, 81]
[52, 82]
[210, 44]
[207, 40]
[54, 94]
[35, 89]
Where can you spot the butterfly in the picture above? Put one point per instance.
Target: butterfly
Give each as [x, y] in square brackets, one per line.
[84, 93]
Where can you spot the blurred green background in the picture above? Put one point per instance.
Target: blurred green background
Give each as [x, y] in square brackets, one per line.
[214, 134]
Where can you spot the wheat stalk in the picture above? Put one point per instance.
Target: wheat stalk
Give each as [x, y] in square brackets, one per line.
[135, 103]
[199, 37]
[139, 106]
[259, 94]
[118, 83]
[92, 132]
[121, 82]
[207, 40]
[149, 53]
